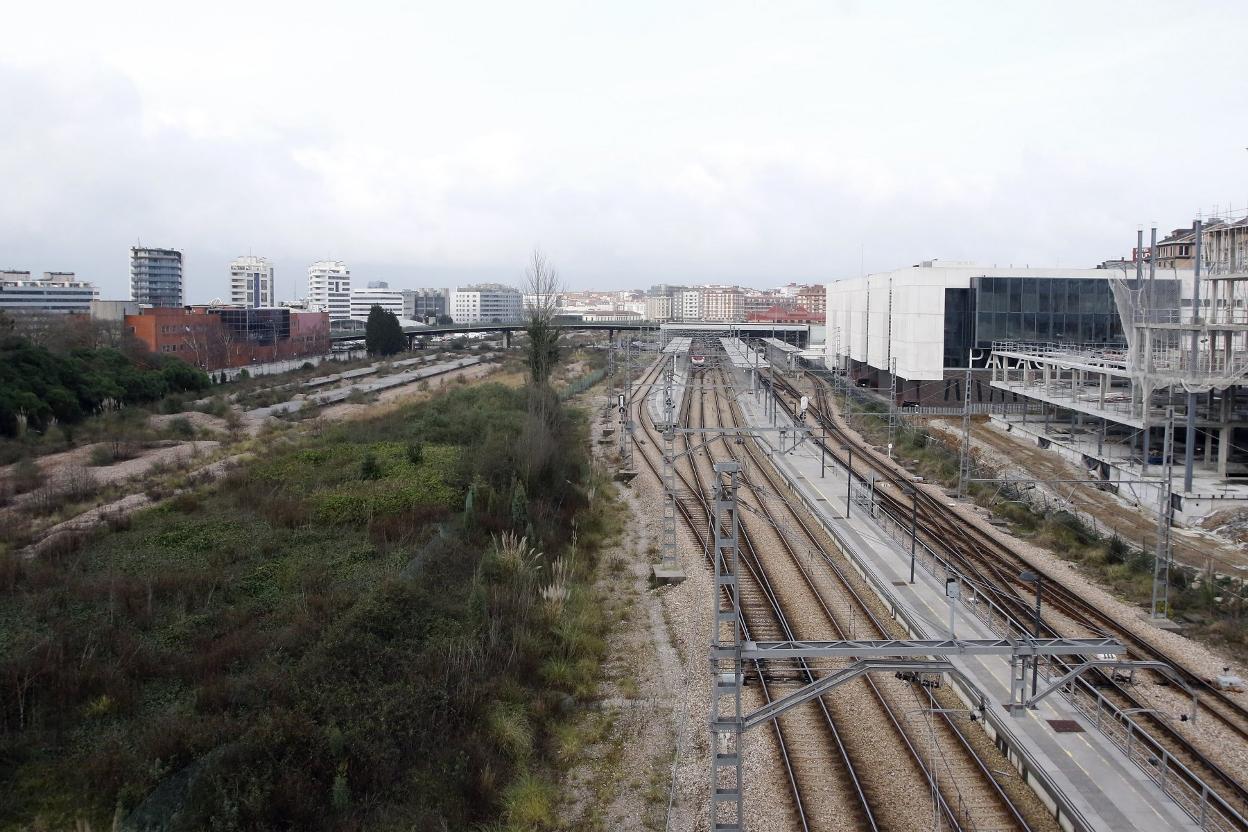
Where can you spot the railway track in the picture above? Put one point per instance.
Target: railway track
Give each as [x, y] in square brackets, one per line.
[979, 555]
[783, 597]
[807, 738]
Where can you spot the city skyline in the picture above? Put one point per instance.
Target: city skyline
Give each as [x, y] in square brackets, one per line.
[709, 142]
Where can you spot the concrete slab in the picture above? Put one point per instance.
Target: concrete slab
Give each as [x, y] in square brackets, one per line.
[672, 575]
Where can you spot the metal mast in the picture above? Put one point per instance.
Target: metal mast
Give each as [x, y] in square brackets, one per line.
[626, 415]
[669, 565]
[1161, 559]
[964, 459]
[727, 718]
[892, 404]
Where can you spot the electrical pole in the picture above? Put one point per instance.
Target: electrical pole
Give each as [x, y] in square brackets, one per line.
[670, 566]
[727, 672]
[626, 418]
[964, 458]
[1161, 559]
[892, 404]
[1189, 450]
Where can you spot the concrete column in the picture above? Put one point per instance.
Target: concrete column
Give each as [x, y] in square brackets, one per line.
[1224, 449]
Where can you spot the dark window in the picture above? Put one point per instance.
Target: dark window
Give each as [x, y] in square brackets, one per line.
[959, 320]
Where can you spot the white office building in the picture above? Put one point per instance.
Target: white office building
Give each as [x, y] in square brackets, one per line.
[54, 292]
[935, 319]
[251, 282]
[329, 289]
[363, 300]
[419, 304]
[486, 303]
[688, 305]
[156, 276]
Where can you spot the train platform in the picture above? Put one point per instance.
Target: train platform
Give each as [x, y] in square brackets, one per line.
[1100, 787]
[654, 399]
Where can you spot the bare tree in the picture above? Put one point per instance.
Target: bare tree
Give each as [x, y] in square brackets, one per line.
[541, 289]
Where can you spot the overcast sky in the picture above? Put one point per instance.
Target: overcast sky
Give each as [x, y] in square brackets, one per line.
[636, 143]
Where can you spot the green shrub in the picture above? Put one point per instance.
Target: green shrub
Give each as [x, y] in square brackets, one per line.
[182, 428]
[27, 475]
[102, 455]
[530, 803]
[369, 469]
[415, 452]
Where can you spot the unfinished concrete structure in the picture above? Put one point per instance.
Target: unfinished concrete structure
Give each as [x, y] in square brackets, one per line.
[1182, 370]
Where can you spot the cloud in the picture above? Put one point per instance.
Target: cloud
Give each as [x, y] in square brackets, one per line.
[710, 143]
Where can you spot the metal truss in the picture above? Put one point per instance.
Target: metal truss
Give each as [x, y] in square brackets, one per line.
[1021, 702]
[729, 652]
[762, 650]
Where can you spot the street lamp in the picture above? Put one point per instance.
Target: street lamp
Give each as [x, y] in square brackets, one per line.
[1030, 577]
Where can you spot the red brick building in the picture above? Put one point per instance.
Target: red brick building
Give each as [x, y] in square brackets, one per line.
[215, 337]
[785, 315]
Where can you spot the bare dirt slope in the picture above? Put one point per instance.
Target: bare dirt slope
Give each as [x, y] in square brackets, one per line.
[1191, 546]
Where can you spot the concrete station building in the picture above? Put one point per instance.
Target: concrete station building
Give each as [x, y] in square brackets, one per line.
[1085, 362]
[935, 319]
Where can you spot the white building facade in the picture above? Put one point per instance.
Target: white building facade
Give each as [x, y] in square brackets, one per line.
[363, 300]
[329, 289]
[486, 303]
[723, 303]
[54, 292]
[935, 318]
[251, 282]
[688, 305]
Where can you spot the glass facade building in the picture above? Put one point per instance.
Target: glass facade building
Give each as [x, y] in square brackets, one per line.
[1035, 310]
[156, 276]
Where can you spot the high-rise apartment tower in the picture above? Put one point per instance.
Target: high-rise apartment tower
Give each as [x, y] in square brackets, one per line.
[156, 276]
[251, 282]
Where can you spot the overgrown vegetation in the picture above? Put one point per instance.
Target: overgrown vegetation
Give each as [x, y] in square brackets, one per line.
[384, 626]
[38, 386]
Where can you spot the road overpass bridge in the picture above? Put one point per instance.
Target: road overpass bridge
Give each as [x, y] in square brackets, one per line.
[798, 334]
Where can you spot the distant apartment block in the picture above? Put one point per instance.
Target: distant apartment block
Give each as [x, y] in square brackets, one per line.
[216, 337]
[486, 303]
[251, 282]
[687, 305]
[419, 304]
[815, 299]
[156, 276]
[723, 303]
[54, 292]
[329, 288]
[363, 301]
[659, 308]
